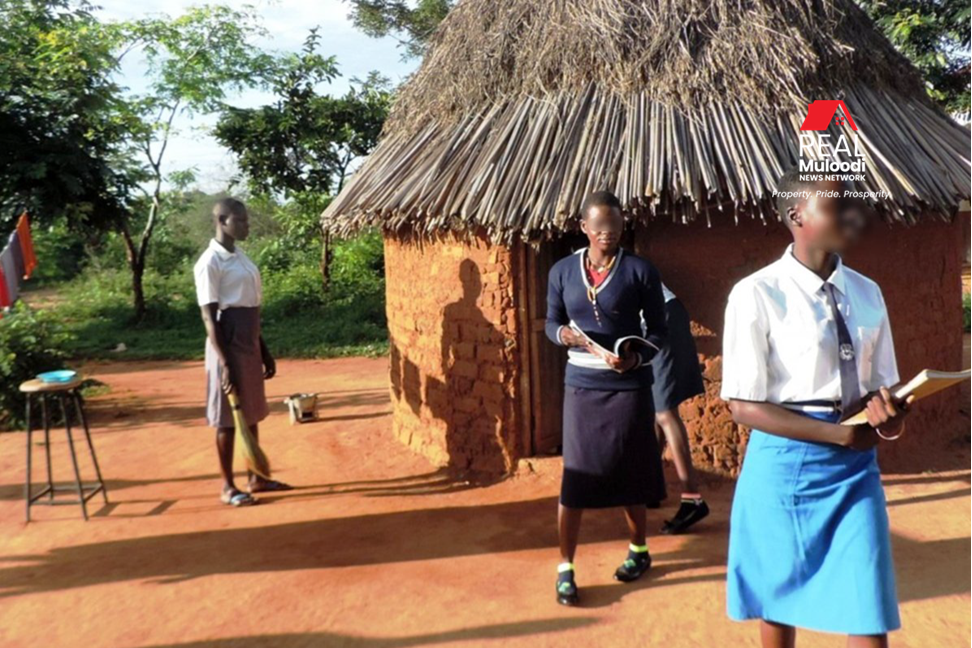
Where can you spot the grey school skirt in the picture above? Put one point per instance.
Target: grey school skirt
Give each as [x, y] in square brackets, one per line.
[240, 331]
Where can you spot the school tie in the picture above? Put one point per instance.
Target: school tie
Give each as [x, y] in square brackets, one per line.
[850, 390]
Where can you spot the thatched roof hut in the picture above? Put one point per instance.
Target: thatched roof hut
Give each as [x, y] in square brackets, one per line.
[689, 110]
[684, 107]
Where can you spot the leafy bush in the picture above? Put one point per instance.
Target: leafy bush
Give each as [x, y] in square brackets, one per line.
[31, 342]
[60, 253]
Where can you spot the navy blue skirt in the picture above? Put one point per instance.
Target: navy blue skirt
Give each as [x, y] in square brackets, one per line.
[677, 376]
[611, 455]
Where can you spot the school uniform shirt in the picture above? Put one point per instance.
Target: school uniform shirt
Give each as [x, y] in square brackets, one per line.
[780, 339]
[629, 302]
[230, 279]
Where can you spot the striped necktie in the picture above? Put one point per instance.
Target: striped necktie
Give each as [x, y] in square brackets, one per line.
[850, 389]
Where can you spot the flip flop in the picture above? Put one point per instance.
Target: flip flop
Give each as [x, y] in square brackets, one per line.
[237, 498]
[271, 486]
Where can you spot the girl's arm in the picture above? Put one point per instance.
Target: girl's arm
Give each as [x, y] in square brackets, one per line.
[556, 327]
[212, 332]
[777, 420]
[269, 364]
[653, 312]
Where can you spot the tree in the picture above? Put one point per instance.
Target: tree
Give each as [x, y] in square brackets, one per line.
[193, 61]
[411, 25]
[303, 145]
[934, 35]
[58, 132]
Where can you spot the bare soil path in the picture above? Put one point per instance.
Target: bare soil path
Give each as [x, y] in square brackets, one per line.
[377, 548]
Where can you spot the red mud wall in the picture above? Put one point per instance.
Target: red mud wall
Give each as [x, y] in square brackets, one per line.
[454, 358]
[919, 270]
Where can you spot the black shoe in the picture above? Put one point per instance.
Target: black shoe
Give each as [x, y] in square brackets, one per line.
[567, 591]
[633, 567]
[690, 512]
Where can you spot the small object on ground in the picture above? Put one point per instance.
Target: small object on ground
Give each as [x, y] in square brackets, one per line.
[303, 407]
[120, 348]
[690, 512]
[237, 498]
[59, 376]
[256, 460]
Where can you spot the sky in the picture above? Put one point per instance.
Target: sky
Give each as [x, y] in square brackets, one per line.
[287, 23]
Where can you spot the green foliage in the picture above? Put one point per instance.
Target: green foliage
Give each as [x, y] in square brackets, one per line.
[300, 319]
[411, 22]
[934, 35]
[60, 252]
[31, 342]
[303, 144]
[57, 130]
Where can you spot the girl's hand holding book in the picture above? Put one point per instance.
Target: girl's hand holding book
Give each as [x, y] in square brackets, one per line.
[886, 413]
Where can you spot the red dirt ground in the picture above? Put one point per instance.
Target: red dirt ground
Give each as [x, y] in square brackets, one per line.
[378, 549]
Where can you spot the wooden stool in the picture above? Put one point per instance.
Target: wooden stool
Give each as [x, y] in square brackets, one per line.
[63, 392]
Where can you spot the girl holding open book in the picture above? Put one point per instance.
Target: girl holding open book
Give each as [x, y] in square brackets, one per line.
[807, 340]
[595, 298]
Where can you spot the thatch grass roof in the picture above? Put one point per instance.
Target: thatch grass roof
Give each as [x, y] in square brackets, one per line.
[681, 107]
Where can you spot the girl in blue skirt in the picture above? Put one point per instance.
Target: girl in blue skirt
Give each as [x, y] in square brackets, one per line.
[806, 342]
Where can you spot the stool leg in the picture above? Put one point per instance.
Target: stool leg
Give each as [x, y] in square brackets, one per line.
[79, 405]
[27, 494]
[47, 446]
[74, 457]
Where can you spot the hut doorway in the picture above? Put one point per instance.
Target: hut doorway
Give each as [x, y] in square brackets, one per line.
[547, 361]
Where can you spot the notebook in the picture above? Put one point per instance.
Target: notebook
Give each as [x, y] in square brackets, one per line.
[924, 384]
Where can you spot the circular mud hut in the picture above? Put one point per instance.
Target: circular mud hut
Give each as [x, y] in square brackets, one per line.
[689, 111]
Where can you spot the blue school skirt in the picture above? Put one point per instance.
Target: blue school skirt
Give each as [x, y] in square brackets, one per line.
[809, 544]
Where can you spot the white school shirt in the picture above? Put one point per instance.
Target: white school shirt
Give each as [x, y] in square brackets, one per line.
[227, 278]
[780, 338]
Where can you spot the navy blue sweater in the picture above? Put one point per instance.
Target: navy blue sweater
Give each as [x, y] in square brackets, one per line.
[631, 291]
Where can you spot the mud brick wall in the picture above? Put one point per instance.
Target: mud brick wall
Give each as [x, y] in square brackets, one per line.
[919, 270]
[454, 357]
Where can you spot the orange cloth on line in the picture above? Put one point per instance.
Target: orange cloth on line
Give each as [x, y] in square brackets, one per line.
[26, 245]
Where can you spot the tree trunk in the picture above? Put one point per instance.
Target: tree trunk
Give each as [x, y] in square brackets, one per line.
[138, 292]
[136, 263]
[327, 255]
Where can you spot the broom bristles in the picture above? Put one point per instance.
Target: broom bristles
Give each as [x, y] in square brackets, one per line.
[256, 460]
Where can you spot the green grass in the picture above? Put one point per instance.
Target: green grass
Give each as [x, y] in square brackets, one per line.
[96, 310]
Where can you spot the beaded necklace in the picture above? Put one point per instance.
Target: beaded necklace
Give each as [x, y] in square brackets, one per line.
[592, 290]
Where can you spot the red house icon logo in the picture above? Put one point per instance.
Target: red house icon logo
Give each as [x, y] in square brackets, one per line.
[820, 113]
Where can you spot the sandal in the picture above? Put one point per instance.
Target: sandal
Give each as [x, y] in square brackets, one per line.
[237, 498]
[269, 486]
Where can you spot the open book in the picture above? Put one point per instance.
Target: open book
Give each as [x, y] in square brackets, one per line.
[924, 384]
[614, 353]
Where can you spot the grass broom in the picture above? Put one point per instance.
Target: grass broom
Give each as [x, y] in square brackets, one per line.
[256, 460]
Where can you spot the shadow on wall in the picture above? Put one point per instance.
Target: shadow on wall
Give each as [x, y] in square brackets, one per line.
[469, 399]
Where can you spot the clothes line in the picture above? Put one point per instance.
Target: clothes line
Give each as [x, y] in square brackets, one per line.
[17, 262]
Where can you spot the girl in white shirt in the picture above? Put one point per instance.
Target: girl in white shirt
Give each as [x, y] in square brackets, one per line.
[230, 292]
[807, 341]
